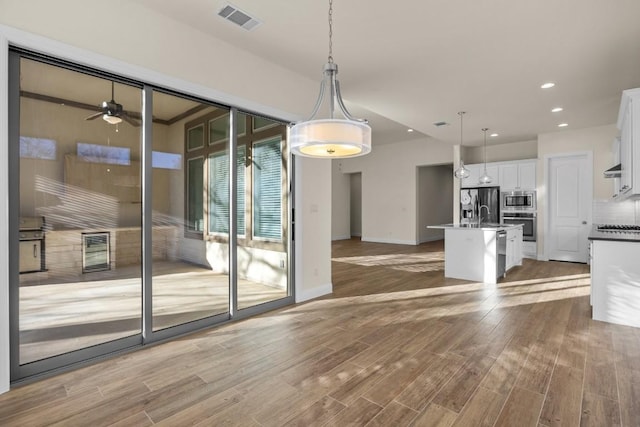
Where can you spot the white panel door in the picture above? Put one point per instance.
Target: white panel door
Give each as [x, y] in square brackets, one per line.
[569, 206]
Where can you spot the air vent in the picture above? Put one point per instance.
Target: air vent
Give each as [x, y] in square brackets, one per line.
[238, 17]
[438, 124]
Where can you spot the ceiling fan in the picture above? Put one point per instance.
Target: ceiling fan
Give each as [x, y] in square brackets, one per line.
[112, 112]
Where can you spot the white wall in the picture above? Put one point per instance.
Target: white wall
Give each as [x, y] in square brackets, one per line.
[435, 198]
[597, 140]
[5, 367]
[389, 187]
[312, 228]
[340, 202]
[502, 152]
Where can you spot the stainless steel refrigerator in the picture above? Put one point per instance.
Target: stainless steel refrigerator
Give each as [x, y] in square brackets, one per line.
[480, 204]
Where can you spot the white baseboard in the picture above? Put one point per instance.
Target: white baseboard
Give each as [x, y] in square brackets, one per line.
[392, 241]
[341, 238]
[318, 291]
[431, 239]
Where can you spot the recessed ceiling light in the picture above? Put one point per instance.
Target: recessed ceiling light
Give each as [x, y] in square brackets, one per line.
[547, 85]
[493, 135]
[557, 110]
[409, 130]
[563, 125]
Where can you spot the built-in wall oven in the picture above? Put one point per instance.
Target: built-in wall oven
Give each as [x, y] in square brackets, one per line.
[528, 221]
[521, 200]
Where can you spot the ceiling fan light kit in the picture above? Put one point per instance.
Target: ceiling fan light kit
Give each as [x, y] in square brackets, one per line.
[113, 120]
[112, 112]
[331, 137]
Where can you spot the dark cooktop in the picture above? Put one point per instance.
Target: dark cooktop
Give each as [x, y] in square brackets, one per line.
[619, 228]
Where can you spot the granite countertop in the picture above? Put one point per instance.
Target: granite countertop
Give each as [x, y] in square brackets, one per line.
[474, 226]
[614, 236]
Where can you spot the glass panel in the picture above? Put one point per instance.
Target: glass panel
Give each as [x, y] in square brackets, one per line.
[80, 209]
[190, 276]
[219, 192]
[262, 254]
[195, 171]
[219, 128]
[267, 190]
[195, 137]
[260, 123]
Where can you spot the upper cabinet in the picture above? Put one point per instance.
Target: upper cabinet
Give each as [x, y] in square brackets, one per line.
[629, 127]
[476, 171]
[518, 175]
[512, 175]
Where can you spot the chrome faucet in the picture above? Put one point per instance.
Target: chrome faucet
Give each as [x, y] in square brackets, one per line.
[480, 213]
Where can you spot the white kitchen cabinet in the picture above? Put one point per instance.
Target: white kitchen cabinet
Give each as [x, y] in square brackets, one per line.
[629, 127]
[476, 170]
[530, 250]
[474, 175]
[514, 248]
[519, 175]
[511, 175]
[615, 275]
[473, 253]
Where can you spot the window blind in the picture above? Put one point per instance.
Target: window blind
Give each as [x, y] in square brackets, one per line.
[267, 189]
[219, 191]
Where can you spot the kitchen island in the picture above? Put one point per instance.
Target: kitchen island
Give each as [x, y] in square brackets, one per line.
[481, 252]
[615, 276]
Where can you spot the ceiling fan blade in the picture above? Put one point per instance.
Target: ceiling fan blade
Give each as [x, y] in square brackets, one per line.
[129, 120]
[94, 116]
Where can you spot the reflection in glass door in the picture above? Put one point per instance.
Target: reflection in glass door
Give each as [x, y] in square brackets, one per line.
[122, 226]
[262, 189]
[79, 211]
[190, 280]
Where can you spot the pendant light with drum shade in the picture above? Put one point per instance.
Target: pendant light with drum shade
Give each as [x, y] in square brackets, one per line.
[461, 172]
[485, 178]
[331, 137]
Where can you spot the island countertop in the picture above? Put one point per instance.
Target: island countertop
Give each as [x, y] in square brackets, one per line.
[474, 226]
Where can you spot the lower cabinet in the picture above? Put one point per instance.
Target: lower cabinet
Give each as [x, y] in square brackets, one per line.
[530, 250]
[615, 275]
[514, 248]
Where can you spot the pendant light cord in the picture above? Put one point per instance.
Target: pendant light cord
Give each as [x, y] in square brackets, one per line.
[330, 58]
[461, 114]
[485, 149]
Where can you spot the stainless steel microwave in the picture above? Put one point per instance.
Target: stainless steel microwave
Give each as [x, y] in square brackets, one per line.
[521, 200]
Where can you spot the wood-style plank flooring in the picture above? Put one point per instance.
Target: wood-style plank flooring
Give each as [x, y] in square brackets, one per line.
[396, 344]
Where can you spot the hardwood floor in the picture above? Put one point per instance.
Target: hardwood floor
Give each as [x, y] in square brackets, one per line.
[396, 344]
[58, 316]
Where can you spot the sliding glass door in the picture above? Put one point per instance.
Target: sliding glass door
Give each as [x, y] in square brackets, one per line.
[137, 214]
[79, 211]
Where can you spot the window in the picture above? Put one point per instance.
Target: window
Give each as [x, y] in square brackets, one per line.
[37, 148]
[219, 128]
[261, 180]
[195, 138]
[267, 187]
[219, 191]
[195, 217]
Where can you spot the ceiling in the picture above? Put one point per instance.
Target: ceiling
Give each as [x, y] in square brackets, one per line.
[411, 63]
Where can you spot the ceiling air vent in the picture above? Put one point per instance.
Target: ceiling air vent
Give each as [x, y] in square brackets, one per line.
[438, 124]
[238, 17]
